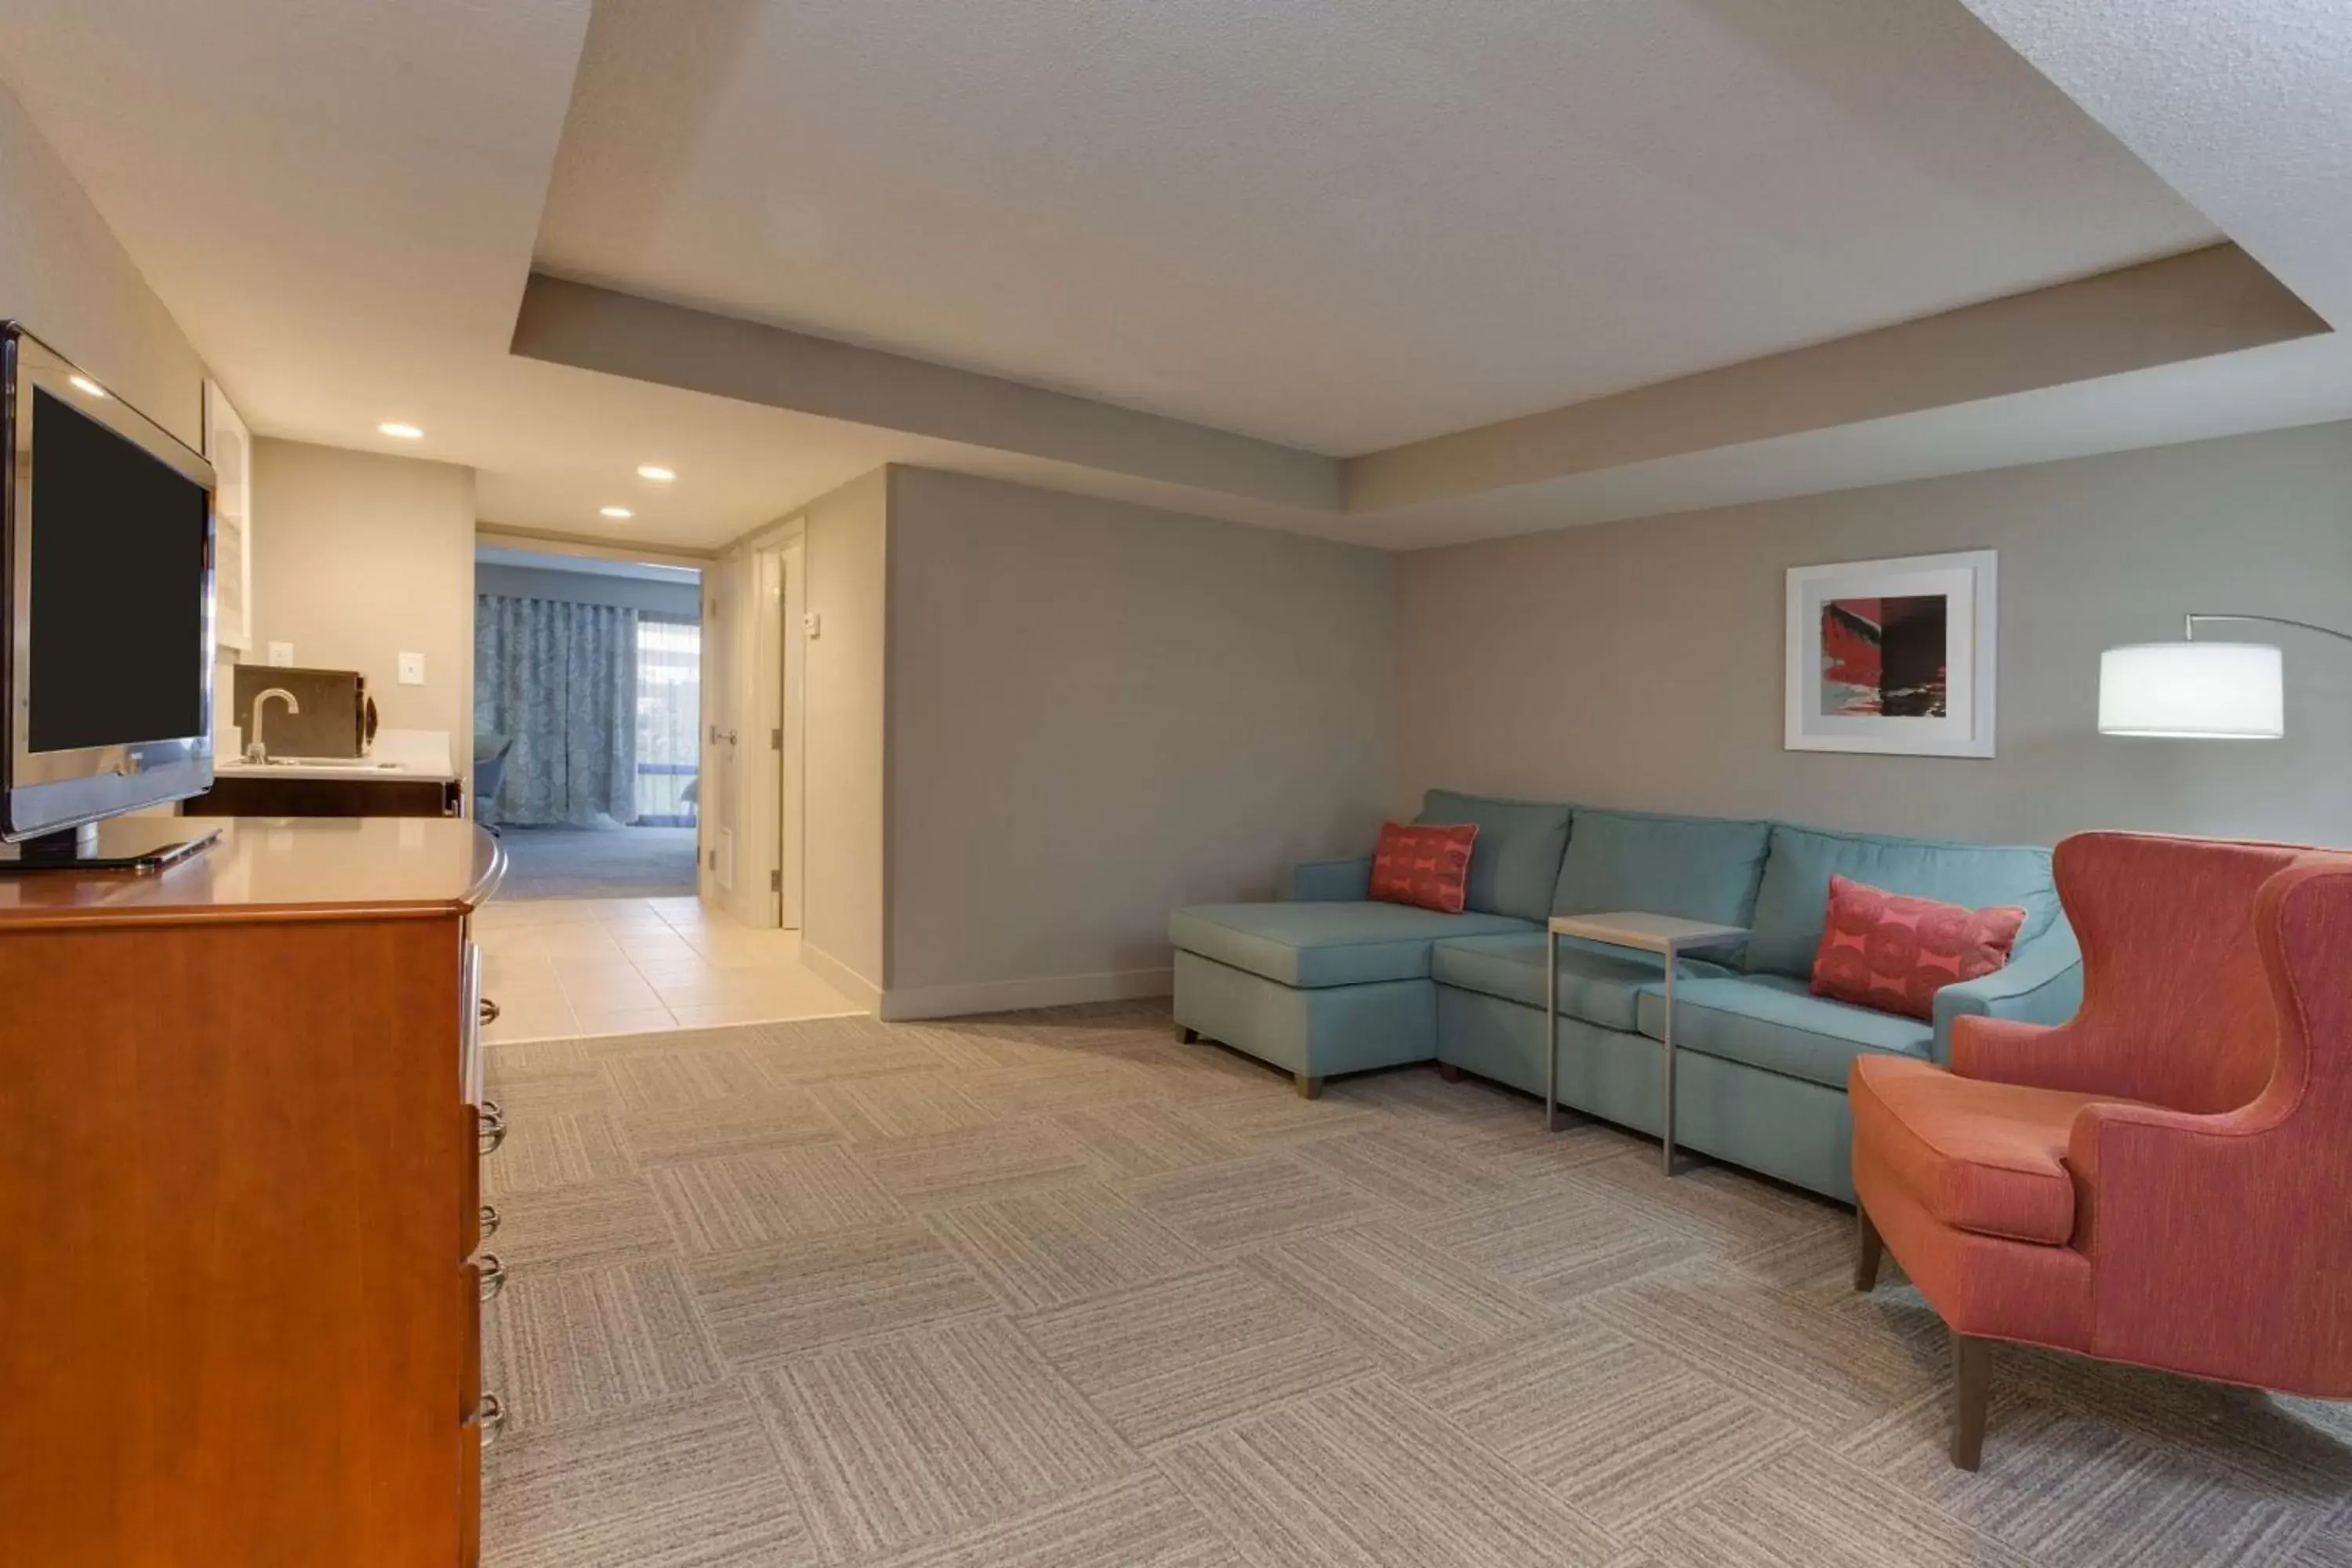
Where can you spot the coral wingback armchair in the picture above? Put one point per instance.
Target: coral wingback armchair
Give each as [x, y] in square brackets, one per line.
[2164, 1180]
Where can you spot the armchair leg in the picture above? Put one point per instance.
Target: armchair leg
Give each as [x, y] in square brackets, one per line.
[1972, 1390]
[1309, 1088]
[1867, 1251]
[1187, 1036]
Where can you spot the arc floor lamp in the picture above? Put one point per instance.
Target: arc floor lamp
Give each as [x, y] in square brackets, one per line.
[2199, 690]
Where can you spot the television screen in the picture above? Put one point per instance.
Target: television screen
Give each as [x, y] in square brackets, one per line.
[117, 635]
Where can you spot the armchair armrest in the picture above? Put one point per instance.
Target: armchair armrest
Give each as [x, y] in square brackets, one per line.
[2042, 986]
[1330, 881]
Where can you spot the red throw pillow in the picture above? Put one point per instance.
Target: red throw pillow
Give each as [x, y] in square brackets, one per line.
[1881, 950]
[1426, 866]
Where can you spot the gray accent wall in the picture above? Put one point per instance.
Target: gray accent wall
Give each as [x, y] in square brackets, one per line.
[1640, 664]
[1099, 712]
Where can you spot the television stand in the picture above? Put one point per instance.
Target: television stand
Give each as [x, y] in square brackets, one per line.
[141, 844]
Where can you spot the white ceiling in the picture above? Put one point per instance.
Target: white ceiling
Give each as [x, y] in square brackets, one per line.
[1338, 223]
[337, 202]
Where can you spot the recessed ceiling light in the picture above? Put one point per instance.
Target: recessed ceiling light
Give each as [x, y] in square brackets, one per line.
[655, 472]
[84, 383]
[403, 432]
[619, 513]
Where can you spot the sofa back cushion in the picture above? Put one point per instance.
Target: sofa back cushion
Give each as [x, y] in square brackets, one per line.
[1700, 867]
[1517, 854]
[1792, 904]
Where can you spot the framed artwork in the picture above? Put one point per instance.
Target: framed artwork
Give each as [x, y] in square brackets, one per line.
[1895, 657]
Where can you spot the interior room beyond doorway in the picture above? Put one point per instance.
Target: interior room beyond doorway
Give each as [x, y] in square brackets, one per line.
[587, 713]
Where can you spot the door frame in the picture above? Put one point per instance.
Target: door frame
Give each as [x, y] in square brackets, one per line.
[765, 786]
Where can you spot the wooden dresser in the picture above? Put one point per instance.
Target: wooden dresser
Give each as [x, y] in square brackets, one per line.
[240, 1121]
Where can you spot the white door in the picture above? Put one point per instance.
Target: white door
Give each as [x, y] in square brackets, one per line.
[791, 753]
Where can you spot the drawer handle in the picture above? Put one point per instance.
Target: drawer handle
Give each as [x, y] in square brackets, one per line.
[494, 1274]
[490, 1223]
[489, 1418]
[492, 1127]
[488, 1010]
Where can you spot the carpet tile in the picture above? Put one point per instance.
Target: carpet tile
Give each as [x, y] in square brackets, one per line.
[1051, 1289]
[895, 1440]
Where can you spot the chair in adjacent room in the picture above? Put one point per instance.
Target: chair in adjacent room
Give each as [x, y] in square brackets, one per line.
[2161, 1181]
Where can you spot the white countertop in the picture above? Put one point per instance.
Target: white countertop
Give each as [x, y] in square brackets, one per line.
[398, 756]
[362, 768]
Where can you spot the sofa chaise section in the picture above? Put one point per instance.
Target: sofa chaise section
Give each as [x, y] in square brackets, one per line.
[1330, 981]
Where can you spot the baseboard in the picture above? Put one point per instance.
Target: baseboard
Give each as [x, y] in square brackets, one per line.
[1015, 995]
[841, 977]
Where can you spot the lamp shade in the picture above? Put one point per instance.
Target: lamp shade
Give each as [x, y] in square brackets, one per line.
[2192, 691]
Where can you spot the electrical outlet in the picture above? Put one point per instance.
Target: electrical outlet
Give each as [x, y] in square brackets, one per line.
[412, 670]
[281, 655]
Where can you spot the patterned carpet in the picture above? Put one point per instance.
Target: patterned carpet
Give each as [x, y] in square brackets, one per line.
[1054, 1291]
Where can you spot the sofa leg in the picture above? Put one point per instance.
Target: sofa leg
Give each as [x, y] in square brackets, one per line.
[1309, 1088]
[1186, 1035]
[1867, 1251]
[1449, 1072]
[1973, 1387]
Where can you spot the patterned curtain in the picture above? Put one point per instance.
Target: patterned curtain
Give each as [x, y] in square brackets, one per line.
[561, 679]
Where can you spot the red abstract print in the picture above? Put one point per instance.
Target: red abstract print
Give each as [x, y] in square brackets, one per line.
[1885, 657]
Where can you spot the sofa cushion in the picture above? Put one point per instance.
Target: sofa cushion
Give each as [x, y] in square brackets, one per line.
[1599, 984]
[1771, 1022]
[1793, 902]
[1977, 1156]
[1700, 867]
[1325, 944]
[1517, 858]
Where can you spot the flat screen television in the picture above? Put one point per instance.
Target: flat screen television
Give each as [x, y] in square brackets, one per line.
[106, 579]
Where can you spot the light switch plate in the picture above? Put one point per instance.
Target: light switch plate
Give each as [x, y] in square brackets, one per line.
[412, 670]
[281, 655]
[813, 624]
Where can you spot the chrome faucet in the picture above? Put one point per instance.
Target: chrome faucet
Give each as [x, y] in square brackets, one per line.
[255, 751]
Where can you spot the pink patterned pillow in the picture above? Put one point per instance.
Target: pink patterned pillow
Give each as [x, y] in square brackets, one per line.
[1422, 865]
[1881, 950]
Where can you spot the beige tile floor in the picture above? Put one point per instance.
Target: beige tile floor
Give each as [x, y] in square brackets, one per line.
[562, 968]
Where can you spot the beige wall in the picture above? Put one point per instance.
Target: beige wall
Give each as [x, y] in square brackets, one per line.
[357, 558]
[1099, 712]
[70, 281]
[1639, 663]
[849, 540]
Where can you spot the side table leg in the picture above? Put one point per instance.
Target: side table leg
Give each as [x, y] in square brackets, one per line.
[1667, 1044]
[1551, 1029]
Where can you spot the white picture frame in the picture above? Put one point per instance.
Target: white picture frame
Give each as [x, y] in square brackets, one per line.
[1834, 696]
[228, 444]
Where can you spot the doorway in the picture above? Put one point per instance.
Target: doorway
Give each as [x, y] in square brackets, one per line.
[587, 675]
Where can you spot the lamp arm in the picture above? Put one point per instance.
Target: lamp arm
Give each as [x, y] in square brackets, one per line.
[2189, 628]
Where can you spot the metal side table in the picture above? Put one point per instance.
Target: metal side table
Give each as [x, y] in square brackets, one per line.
[1667, 936]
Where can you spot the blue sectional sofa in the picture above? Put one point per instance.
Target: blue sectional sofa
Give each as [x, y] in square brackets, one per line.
[1328, 982]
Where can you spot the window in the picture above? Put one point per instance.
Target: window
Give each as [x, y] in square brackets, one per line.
[669, 720]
